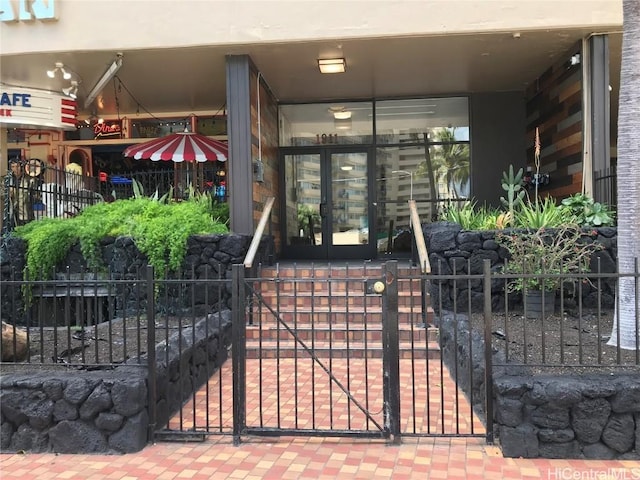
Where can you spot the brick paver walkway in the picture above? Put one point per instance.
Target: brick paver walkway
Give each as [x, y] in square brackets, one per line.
[318, 458]
[315, 458]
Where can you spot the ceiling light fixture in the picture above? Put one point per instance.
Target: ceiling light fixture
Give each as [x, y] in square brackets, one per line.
[71, 91]
[59, 67]
[342, 115]
[342, 124]
[340, 112]
[104, 79]
[332, 65]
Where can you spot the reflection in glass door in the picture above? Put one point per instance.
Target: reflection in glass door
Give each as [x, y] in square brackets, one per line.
[350, 205]
[303, 193]
[327, 207]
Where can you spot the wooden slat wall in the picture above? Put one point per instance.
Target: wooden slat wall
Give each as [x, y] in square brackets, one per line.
[554, 106]
[269, 145]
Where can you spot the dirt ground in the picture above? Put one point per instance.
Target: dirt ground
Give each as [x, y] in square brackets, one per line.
[568, 339]
[559, 339]
[100, 346]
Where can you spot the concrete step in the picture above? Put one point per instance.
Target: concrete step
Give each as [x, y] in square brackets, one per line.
[336, 299]
[336, 333]
[337, 350]
[353, 315]
[335, 270]
[333, 311]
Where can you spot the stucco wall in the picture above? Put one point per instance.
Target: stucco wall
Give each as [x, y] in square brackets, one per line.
[87, 25]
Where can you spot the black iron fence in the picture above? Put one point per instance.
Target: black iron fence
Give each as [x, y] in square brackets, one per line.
[53, 192]
[606, 187]
[95, 322]
[45, 193]
[95, 319]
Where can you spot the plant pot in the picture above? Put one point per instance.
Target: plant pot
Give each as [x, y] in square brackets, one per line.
[539, 302]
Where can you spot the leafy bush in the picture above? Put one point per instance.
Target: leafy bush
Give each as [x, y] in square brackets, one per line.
[519, 211]
[545, 213]
[561, 251]
[471, 217]
[160, 230]
[585, 211]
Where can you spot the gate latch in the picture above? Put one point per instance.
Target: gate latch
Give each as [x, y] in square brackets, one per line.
[375, 287]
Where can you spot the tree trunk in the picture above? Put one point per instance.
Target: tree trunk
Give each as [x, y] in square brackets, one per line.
[14, 343]
[625, 328]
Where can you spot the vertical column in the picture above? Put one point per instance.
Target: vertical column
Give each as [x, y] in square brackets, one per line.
[600, 118]
[240, 191]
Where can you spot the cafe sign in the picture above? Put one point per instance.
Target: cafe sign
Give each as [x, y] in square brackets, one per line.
[24, 107]
[27, 10]
[111, 129]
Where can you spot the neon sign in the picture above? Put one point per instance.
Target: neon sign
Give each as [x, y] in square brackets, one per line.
[107, 129]
[28, 10]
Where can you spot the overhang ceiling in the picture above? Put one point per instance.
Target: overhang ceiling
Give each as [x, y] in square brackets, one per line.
[194, 79]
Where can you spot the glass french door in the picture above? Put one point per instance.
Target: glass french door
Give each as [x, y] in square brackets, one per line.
[327, 208]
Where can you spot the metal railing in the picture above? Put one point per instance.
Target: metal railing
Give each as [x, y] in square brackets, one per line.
[60, 193]
[418, 235]
[91, 320]
[257, 236]
[52, 193]
[605, 187]
[571, 328]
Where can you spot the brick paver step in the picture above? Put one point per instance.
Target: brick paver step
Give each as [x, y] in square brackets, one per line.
[338, 332]
[339, 350]
[355, 316]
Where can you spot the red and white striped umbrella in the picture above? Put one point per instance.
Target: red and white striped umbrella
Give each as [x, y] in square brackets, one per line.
[180, 147]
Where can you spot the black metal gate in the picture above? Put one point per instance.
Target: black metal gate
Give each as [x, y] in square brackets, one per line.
[332, 350]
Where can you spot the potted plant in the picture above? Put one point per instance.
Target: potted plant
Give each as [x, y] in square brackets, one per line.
[541, 260]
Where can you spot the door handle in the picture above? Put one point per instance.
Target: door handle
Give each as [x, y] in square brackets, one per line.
[323, 210]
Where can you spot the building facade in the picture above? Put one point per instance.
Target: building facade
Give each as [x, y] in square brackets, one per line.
[436, 100]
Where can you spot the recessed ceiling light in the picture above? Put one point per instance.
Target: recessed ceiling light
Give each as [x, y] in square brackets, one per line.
[342, 115]
[332, 65]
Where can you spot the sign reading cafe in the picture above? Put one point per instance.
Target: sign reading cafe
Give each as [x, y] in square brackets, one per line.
[27, 10]
[23, 107]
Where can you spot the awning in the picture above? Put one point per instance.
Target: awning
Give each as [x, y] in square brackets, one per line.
[180, 147]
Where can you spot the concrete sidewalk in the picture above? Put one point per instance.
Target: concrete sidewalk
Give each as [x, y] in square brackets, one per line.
[317, 458]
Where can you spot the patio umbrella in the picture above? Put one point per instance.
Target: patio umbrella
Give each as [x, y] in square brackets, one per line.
[180, 147]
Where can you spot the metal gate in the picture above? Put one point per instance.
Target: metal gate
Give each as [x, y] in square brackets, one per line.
[332, 350]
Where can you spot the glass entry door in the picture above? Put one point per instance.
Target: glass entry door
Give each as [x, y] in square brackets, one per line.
[327, 210]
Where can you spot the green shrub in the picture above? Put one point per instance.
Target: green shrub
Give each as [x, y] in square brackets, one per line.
[469, 216]
[586, 212]
[160, 231]
[520, 211]
[544, 213]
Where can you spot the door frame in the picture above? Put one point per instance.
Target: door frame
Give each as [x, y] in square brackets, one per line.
[328, 251]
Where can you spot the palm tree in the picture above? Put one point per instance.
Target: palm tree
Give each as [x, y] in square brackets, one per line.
[449, 162]
[626, 336]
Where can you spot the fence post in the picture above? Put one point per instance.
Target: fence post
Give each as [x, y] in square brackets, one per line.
[391, 349]
[151, 352]
[238, 350]
[488, 351]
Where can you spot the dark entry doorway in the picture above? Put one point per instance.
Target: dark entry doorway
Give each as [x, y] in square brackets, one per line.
[328, 209]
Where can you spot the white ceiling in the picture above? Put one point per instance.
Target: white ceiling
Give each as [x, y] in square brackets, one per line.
[193, 79]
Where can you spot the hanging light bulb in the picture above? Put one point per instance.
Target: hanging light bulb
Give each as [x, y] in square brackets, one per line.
[59, 66]
[72, 90]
